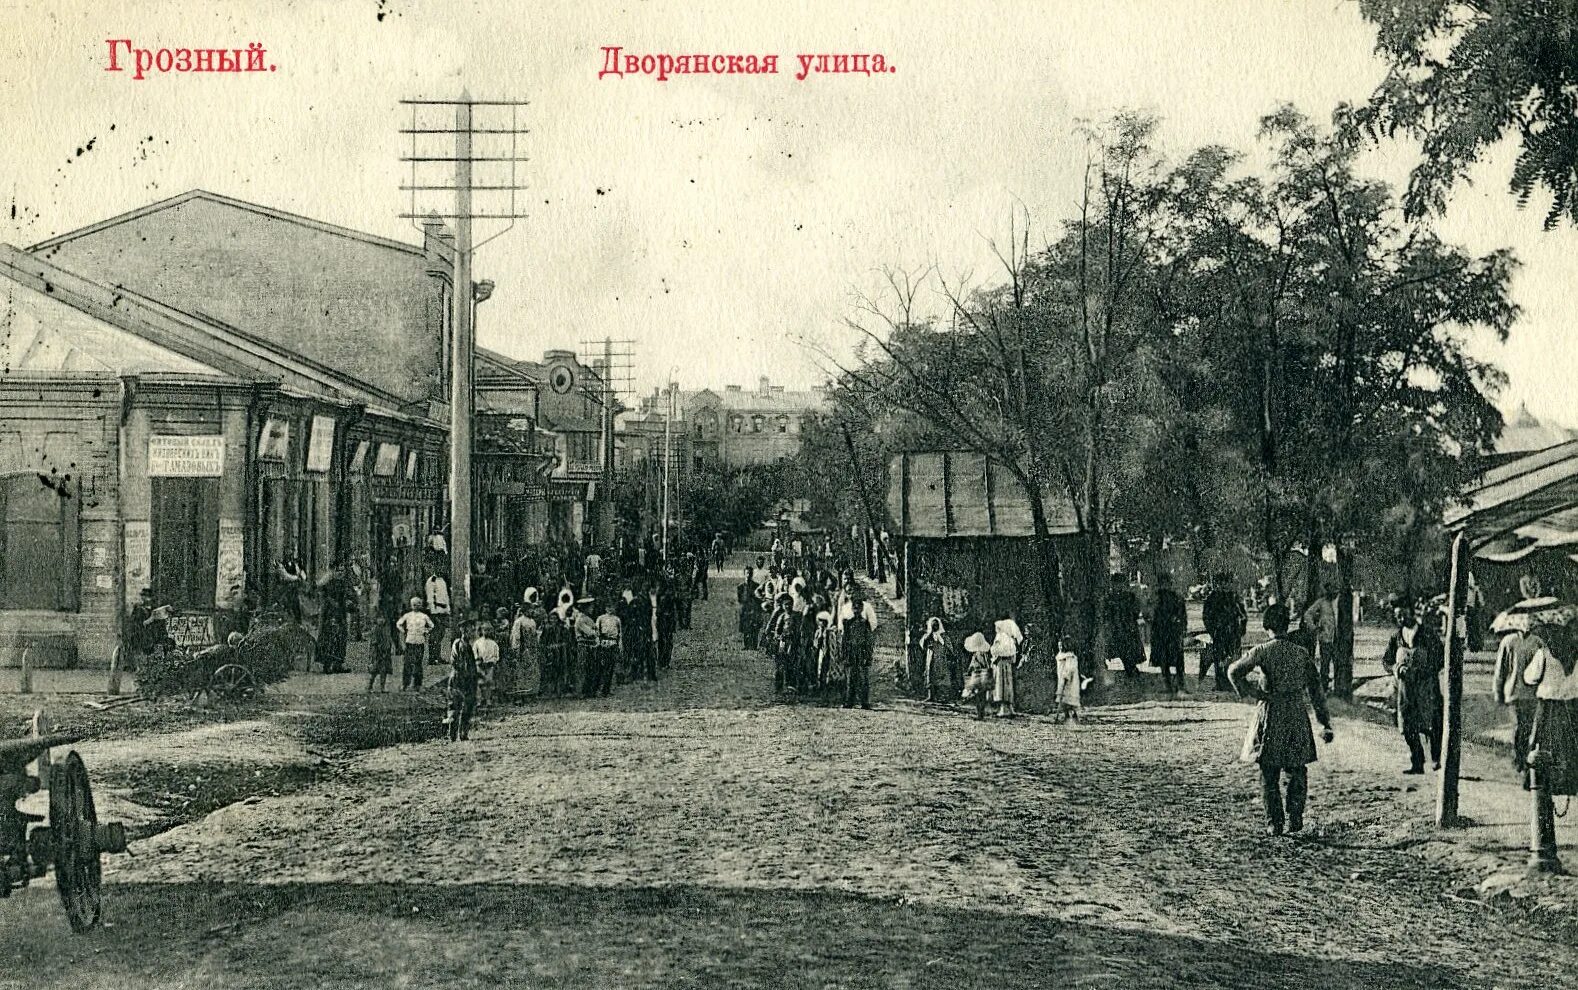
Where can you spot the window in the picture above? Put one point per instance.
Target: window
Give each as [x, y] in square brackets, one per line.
[783, 424]
[737, 424]
[184, 541]
[39, 549]
[699, 465]
[756, 424]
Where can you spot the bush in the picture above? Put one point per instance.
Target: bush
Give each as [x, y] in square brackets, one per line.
[175, 673]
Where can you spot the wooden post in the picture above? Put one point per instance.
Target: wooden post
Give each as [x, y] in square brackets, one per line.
[26, 685]
[1452, 714]
[116, 659]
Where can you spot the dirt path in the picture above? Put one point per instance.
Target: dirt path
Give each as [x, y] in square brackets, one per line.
[698, 833]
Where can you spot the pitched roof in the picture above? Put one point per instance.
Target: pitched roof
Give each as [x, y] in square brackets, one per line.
[757, 401]
[47, 336]
[233, 203]
[365, 306]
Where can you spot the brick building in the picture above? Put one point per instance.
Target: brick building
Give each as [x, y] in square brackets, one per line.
[211, 387]
[738, 427]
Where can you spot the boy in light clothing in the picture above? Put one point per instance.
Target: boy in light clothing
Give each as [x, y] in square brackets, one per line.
[414, 627]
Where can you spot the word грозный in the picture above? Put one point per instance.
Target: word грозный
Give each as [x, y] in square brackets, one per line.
[663, 66]
[249, 59]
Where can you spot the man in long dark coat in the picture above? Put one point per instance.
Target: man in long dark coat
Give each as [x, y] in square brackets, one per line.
[1224, 623]
[750, 620]
[1280, 739]
[1414, 656]
[1169, 622]
[1121, 613]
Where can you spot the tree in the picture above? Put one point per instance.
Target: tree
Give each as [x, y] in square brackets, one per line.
[1463, 75]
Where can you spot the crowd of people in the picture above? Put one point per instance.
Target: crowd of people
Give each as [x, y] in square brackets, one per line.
[804, 609]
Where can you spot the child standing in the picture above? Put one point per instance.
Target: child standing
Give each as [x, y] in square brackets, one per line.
[414, 628]
[486, 650]
[978, 682]
[462, 683]
[1069, 683]
[382, 647]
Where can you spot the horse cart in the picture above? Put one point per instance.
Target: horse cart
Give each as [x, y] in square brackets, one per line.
[70, 838]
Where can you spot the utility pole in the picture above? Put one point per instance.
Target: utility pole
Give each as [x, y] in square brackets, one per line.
[668, 456]
[616, 364]
[1452, 717]
[462, 397]
[464, 294]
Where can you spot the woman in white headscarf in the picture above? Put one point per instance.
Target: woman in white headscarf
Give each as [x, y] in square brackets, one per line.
[978, 682]
[1005, 660]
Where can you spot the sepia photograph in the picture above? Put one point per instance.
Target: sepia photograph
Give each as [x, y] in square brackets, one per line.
[818, 495]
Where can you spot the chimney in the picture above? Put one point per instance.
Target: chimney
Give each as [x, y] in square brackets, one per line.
[557, 356]
[731, 388]
[764, 385]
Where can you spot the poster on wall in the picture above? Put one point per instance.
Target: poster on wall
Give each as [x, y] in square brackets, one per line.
[230, 576]
[410, 466]
[185, 457]
[274, 441]
[137, 563]
[359, 458]
[320, 446]
[402, 530]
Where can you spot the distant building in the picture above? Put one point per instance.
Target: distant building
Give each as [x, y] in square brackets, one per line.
[736, 427]
[644, 442]
[540, 430]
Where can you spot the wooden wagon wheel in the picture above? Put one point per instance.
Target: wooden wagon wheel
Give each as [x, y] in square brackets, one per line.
[73, 823]
[233, 682]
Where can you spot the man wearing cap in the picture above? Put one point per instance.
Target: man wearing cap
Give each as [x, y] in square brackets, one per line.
[609, 640]
[588, 656]
[857, 628]
[463, 681]
[414, 628]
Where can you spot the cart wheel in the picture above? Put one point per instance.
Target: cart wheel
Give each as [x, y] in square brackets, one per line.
[232, 682]
[73, 822]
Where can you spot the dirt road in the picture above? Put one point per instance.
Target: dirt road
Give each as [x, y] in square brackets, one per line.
[699, 833]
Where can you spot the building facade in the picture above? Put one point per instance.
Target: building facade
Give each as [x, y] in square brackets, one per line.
[182, 383]
[737, 427]
[549, 445]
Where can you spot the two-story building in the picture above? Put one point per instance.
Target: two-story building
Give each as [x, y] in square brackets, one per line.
[738, 427]
[569, 425]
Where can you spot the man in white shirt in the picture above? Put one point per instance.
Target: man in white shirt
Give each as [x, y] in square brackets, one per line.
[414, 628]
[438, 610]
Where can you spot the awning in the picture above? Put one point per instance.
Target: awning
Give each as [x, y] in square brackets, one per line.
[1521, 506]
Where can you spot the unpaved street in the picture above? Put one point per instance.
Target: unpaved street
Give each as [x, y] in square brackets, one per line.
[698, 833]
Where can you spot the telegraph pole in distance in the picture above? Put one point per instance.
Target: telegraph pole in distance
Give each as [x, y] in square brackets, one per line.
[617, 364]
[463, 156]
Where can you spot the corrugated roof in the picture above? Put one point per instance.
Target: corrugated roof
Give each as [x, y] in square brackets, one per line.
[1521, 505]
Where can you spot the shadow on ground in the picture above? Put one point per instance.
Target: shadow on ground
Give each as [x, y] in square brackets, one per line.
[333, 935]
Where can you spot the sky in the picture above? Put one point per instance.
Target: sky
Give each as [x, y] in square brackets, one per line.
[727, 224]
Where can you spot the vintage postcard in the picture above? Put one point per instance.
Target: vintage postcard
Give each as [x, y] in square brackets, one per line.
[884, 493]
